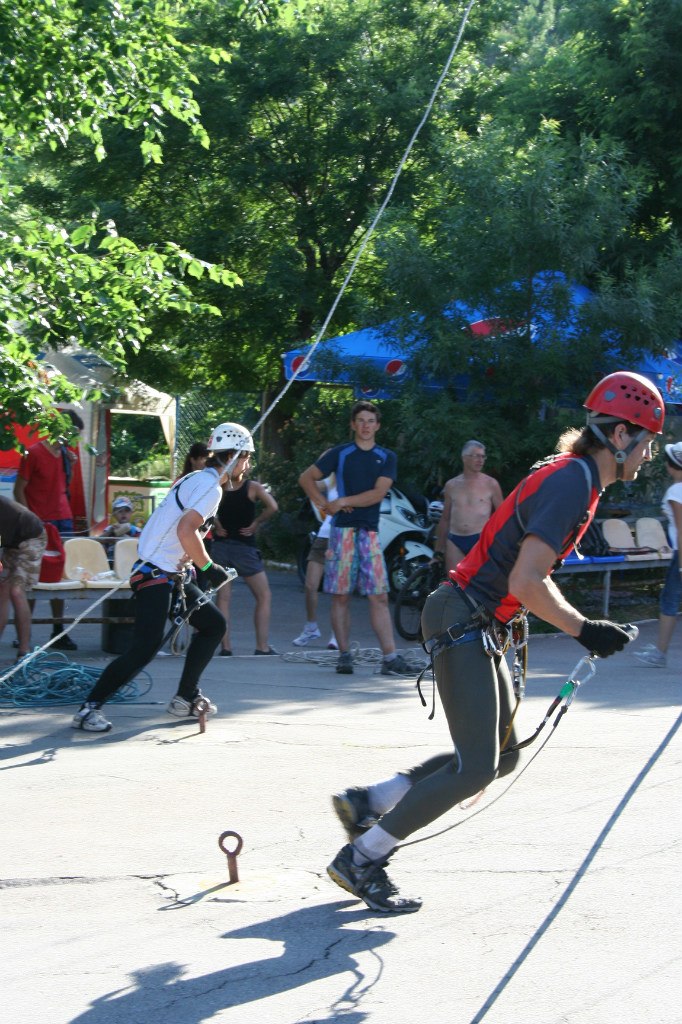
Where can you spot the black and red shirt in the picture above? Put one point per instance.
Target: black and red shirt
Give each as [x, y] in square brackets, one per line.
[556, 503]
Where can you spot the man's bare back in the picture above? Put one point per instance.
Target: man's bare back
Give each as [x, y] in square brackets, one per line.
[468, 502]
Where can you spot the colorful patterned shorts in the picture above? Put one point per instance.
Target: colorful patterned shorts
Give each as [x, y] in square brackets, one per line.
[21, 566]
[354, 560]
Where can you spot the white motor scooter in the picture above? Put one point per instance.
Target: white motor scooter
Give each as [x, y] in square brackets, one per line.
[405, 536]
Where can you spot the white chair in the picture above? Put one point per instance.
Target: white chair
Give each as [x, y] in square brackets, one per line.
[87, 564]
[649, 533]
[619, 538]
[125, 555]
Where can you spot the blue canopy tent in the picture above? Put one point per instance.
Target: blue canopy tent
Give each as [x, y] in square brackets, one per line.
[374, 363]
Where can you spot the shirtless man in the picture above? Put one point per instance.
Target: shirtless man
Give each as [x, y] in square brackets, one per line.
[469, 501]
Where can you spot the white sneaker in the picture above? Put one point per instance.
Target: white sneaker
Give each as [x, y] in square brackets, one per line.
[90, 720]
[652, 657]
[310, 632]
[332, 645]
[181, 708]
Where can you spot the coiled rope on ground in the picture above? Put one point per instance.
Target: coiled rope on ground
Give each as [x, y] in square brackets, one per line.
[50, 679]
[359, 656]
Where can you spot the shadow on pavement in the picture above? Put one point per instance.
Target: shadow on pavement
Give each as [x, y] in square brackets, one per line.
[317, 945]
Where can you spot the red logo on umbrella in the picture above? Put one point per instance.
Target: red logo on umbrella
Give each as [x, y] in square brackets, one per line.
[395, 368]
[296, 362]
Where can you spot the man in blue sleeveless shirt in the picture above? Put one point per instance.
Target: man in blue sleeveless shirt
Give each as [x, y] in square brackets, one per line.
[364, 474]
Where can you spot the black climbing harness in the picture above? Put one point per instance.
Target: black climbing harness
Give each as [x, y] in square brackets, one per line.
[180, 613]
[497, 638]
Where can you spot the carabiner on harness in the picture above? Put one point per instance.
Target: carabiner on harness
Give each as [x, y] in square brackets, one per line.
[583, 671]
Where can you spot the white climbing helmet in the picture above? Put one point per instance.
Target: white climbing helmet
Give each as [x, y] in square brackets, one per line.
[230, 437]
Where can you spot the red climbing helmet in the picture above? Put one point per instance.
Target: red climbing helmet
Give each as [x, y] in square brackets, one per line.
[629, 397]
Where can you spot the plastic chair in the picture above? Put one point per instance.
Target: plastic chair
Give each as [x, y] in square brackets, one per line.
[649, 533]
[125, 555]
[87, 564]
[620, 539]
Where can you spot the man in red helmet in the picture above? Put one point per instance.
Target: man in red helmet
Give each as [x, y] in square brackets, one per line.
[468, 623]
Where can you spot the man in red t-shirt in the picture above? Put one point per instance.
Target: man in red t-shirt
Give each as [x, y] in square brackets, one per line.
[42, 485]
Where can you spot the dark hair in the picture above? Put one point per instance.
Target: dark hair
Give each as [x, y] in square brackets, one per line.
[583, 442]
[364, 406]
[197, 450]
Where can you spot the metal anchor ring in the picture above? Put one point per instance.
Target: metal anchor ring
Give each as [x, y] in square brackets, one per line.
[201, 706]
[231, 854]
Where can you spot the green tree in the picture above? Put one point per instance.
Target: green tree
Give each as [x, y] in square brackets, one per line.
[67, 70]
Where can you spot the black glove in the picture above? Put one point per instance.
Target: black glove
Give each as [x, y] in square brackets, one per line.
[214, 575]
[602, 637]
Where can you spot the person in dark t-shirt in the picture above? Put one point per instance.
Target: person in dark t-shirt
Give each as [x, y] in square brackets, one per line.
[468, 624]
[364, 474]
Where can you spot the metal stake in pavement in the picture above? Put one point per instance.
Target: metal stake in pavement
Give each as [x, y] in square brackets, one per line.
[231, 854]
[201, 705]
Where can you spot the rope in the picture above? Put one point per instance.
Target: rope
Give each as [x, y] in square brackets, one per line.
[48, 680]
[458, 824]
[359, 656]
[380, 212]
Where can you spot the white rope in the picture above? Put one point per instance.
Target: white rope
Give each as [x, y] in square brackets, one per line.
[351, 270]
[359, 656]
[380, 212]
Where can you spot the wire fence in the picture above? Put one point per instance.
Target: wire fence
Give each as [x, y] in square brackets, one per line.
[200, 410]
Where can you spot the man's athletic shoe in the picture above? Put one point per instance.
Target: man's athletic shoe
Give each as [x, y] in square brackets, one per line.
[181, 708]
[332, 645]
[396, 667]
[344, 665]
[652, 657]
[308, 633]
[90, 720]
[370, 883]
[353, 811]
[65, 643]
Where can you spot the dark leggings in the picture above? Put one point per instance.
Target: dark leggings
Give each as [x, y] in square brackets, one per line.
[152, 606]
[478, 700]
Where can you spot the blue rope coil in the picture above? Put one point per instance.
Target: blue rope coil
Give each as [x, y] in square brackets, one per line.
[50, 679]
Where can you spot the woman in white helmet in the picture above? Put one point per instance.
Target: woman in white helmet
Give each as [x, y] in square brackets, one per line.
[173, 539]
[234, 544]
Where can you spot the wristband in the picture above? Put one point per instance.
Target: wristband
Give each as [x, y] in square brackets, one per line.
[207, 566]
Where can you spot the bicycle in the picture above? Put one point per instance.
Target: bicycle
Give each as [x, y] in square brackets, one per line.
[411, 597]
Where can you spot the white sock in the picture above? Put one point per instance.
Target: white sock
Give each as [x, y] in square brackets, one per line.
[375, 844]
[388, 658]
[383, 796]
[311, 625]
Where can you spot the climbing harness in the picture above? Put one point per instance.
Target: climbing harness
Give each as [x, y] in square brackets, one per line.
[180, 614]
[496, 637]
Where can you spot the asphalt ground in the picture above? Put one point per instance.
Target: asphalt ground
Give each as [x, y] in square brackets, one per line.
[557, 904]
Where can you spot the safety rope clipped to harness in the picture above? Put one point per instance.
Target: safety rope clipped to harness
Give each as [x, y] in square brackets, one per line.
[582, 671]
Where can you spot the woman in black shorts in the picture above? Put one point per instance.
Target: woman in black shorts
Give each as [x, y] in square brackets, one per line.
[234, 544]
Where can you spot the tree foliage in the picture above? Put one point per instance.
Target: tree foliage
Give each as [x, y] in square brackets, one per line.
[552, 146]
[67, 70]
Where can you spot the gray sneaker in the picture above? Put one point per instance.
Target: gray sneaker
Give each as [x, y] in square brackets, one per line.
[652, 657]
[181, 708]
[353, 811]
[344, 665]
[370, 883]
[396, 667]
[90, 719]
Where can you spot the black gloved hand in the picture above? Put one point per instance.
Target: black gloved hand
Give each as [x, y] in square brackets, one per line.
[602, 637]
[214, 574]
